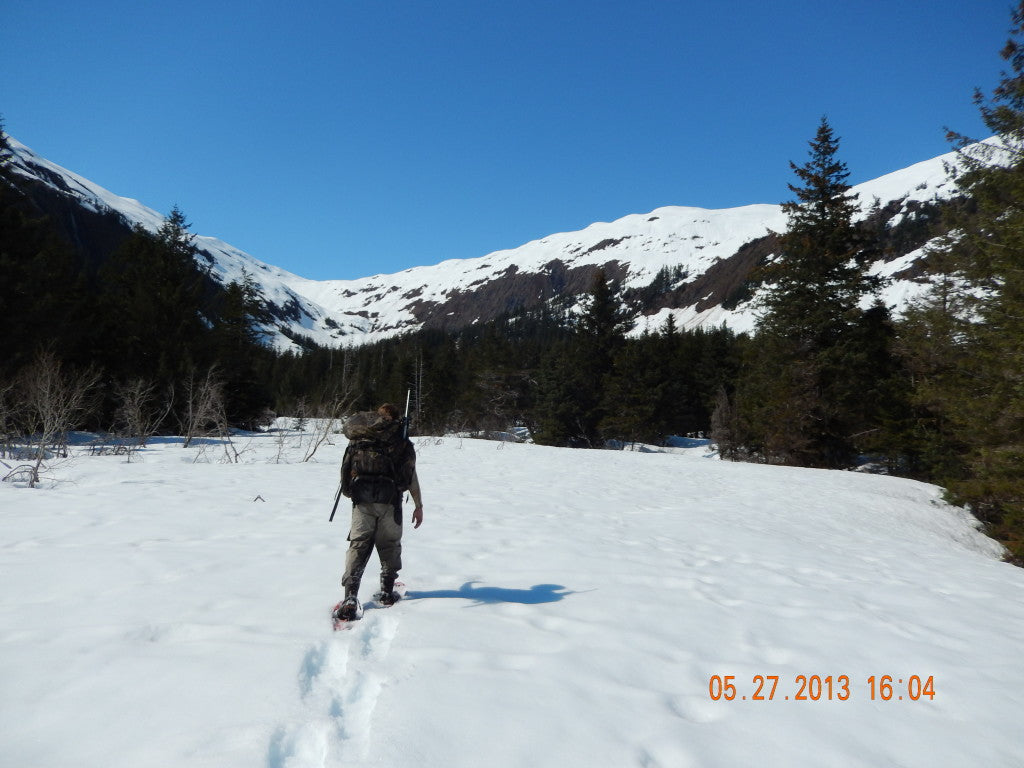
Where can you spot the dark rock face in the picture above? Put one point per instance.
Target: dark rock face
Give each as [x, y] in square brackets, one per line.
[511, 291]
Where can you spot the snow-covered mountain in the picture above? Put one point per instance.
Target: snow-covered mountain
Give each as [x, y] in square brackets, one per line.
[692, 263]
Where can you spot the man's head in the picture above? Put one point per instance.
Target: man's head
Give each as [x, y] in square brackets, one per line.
[389, 410]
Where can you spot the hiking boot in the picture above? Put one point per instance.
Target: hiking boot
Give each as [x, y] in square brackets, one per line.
[388, 595]
[347, 610]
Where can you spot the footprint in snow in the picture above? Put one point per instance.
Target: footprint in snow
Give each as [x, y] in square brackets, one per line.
[340, 681]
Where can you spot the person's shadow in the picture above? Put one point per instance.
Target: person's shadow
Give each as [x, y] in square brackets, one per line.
[535, 595]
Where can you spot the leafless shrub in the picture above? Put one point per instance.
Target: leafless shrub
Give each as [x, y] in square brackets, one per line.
[203, 412]
[280, 441]
[140, 412]
[234, 453]
[24, 473]
[52, 400]
[327, 420]
[299, 421]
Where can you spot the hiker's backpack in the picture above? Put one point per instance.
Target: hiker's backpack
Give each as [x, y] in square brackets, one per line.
[372, 470]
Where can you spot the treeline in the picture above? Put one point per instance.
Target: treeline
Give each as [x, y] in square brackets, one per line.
[574, 382]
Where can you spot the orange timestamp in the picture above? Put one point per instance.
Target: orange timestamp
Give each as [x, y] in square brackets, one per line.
[821, 688]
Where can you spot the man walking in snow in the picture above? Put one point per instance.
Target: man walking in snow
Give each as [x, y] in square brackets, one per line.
[378, 468]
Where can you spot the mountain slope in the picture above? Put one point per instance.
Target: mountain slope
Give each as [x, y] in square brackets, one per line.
[705, 246]
[690, 262]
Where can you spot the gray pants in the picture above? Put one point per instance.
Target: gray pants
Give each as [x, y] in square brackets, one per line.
[373, 525]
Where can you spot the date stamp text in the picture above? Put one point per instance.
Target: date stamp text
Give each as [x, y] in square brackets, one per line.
[822, 688]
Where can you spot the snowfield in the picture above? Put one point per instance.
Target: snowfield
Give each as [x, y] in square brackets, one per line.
[566, 608]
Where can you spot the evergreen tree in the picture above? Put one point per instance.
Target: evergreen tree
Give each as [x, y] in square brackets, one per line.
[239, 352]
[575, 376]
[932, 343]
[241, 309]
[638, 393]
[603, 324]
[819, 280]
[801, 400]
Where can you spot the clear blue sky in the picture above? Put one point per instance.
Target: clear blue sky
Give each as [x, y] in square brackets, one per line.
[343, 138]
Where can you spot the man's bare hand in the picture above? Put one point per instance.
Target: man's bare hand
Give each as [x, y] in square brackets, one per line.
[417, 517]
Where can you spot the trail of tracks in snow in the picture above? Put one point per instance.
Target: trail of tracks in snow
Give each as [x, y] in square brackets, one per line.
[340, 680]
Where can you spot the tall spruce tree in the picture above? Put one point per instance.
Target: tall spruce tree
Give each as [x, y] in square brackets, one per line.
[817, 284]
[802, 398]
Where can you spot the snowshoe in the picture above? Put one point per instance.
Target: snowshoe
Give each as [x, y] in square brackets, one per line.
[345, 611]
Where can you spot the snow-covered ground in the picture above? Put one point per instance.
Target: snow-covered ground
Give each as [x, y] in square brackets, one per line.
[567, 608]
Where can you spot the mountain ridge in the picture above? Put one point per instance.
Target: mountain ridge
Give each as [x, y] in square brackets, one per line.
[693, 263]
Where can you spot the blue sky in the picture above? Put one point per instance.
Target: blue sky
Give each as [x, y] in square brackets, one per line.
[340, 139]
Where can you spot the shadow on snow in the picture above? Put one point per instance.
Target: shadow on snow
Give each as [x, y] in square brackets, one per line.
[535, 595]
